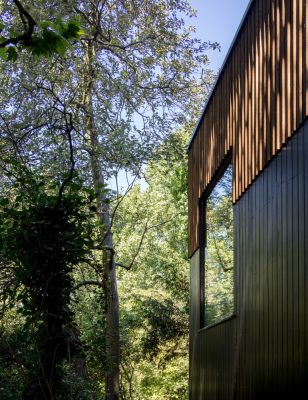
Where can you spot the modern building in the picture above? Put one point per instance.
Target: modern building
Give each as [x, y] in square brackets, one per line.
[248, 215]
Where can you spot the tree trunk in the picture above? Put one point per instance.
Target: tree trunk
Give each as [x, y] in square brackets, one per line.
[112, 320]
[112, 337]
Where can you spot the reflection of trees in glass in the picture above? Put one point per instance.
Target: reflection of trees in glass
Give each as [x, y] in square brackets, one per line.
[219, 251]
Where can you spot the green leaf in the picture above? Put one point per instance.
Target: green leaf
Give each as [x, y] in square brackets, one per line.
[61, 46]
[55, 42]
[47, 24]
[4, 201]
[39, 48]
[73, 31]
[13, 31]
[3, 55]
[11, 53]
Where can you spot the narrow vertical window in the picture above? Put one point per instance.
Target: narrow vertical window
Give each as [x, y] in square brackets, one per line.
[218, 285]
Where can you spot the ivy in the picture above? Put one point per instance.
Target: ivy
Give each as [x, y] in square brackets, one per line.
[43, 238]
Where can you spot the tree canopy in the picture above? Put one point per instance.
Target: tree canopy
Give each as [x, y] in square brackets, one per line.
[92, 89]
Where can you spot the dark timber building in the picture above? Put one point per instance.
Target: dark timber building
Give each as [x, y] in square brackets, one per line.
[249, 309]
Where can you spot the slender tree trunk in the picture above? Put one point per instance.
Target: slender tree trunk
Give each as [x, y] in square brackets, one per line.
[103, 214]
[112, 320]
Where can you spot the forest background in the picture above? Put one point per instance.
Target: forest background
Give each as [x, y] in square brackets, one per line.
[90, 91]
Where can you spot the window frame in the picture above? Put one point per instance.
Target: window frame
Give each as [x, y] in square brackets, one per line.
[203, 239]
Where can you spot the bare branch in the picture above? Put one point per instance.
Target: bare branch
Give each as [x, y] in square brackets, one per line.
[88, 283]
[146, 229]
[220, 260]
[137, 251]
[69, 129]
[29, 23]
[130, 186]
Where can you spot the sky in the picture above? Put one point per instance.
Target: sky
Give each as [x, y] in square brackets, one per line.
[217, 21]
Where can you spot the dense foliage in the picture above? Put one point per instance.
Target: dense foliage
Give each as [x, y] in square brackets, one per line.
[154, 292]
[43, 234]
[105, 106]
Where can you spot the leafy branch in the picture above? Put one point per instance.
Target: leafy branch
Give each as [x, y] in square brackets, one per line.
[43, 38]
[29, 24]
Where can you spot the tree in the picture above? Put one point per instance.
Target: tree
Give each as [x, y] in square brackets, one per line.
[19, 30]
[154, 293]
[132, 79]
[44, 232]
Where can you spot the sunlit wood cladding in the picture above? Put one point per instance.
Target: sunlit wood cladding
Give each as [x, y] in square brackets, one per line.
[260, 99]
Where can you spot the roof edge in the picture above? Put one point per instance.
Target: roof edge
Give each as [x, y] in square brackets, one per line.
[220, 74]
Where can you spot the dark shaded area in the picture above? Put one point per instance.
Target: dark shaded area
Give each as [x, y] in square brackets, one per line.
[262, 352]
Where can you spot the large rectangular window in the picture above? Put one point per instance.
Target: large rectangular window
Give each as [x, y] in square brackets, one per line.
[217, 268]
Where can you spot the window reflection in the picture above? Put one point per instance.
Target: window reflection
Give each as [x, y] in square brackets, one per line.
[218, 271]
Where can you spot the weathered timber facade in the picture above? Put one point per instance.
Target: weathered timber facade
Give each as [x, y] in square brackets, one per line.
[259, 100]
[258, 112]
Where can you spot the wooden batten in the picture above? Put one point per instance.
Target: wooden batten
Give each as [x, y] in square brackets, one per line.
[259, 100]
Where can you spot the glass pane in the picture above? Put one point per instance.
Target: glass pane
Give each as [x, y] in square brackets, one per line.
[218, 288]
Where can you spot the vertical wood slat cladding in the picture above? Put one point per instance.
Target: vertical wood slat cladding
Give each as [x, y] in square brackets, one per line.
[215, 380]
[260, 99]
[271, 219]
[262, 353]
